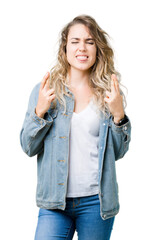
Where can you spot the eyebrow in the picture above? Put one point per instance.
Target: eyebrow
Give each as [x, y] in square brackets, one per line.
[87, 39]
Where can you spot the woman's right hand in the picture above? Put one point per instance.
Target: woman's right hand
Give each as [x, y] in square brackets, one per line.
[46, 96]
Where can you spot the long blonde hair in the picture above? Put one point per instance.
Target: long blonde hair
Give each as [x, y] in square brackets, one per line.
[101, 71]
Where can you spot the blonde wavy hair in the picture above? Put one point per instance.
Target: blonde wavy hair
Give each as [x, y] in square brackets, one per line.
[101, 71]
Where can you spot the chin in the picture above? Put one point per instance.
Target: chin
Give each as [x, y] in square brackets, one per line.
[83, 68]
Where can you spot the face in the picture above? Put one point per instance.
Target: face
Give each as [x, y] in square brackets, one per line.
[81, 48]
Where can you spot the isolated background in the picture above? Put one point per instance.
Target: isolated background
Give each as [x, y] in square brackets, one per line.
[28, 47]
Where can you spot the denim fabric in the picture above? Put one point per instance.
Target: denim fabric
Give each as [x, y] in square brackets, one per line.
[48, 138]
[81, 214]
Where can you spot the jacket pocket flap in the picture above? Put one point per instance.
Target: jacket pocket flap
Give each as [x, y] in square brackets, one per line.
[53, 112]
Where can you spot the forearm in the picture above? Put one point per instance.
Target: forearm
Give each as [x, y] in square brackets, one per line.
[33, 132]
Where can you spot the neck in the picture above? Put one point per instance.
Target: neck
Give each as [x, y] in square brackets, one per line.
[78, 79]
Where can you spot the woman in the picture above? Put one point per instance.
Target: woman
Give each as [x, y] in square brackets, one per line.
[77, 126]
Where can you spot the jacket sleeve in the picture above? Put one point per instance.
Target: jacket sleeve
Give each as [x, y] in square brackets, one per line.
[121, 137]
[34, 128]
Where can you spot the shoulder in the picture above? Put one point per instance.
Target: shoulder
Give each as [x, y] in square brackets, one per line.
[34, 94]
[35, 91]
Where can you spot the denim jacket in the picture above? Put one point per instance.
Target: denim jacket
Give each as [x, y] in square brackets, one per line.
[48, 138]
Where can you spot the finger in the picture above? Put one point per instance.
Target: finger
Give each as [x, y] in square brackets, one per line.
[117, 86]
[113, 89]
[51, 98]
[50, 92]
[43, 82]
[47, 85]
[116, 83]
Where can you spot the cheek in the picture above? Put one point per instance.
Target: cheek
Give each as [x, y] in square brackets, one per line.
[70, 52]
[67, 53]
[94, 54]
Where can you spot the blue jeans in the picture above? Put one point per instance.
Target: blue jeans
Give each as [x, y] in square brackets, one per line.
[81, 214]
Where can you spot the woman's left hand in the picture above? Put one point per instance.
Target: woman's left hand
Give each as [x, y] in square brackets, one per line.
[115, 100]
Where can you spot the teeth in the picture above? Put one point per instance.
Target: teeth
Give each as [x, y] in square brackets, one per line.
[82, 57]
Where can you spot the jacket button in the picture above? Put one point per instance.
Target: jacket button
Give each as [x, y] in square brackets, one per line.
[61, 160]
[125, 127]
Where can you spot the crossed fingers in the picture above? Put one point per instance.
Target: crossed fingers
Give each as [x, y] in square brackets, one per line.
[115, 100]
[45, 87]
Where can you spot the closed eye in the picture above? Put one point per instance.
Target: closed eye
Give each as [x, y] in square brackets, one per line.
[91, 43]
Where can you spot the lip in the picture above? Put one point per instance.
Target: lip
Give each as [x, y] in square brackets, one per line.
[81, 55]
[84, 60]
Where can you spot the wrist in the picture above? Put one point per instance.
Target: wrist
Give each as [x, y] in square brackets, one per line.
[117, 119]
[40, 115]
[124, 120]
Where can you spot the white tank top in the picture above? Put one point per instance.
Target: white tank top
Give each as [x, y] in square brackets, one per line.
[83, 153]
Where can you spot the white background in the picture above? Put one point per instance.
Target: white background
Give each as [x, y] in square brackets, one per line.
[28, 47]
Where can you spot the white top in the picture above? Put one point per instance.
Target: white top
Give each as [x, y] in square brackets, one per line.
[83, 153]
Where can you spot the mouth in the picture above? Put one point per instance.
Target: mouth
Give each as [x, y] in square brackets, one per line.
[82, 57]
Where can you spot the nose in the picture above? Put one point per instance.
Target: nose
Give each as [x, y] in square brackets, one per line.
[82, 46]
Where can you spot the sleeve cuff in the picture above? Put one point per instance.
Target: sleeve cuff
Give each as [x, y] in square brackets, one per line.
[47, 120]
[124, 127]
